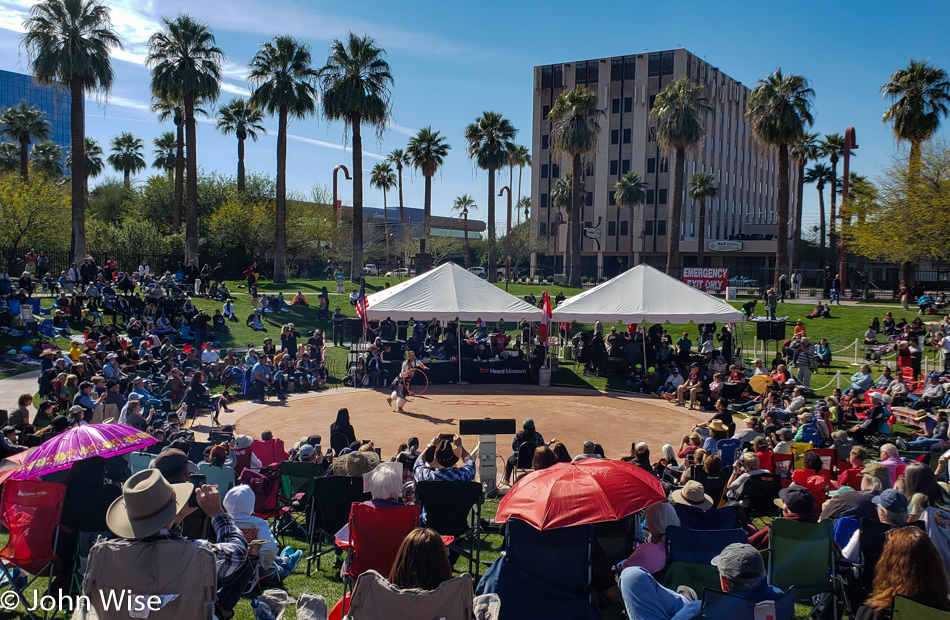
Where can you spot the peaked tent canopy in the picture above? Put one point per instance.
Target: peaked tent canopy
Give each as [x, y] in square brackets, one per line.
[446, 293]
[644, 294]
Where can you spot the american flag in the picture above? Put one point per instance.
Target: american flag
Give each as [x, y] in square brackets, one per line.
[361, 306]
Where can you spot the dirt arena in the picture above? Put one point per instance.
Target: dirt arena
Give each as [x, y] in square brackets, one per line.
[570, 415]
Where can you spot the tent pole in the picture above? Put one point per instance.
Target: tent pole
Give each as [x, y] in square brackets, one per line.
[643, 339]
[458, 338]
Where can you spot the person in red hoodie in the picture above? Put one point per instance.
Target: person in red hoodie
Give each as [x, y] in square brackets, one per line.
[813, 477]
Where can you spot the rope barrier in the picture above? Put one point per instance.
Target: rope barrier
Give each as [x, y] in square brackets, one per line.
[833, 380]
[850, 346]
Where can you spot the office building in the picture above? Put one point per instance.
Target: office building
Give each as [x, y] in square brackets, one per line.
[53, 101]
[740, 223]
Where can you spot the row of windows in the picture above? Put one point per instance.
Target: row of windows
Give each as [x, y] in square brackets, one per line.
[622, 69]
[627, 105]
[660, 64]
[552, 77]
[586, 72]
[554, 169]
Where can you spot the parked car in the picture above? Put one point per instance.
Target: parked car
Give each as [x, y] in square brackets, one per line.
[370, 269]
[402, 272]
[740, 281]
[481, 272]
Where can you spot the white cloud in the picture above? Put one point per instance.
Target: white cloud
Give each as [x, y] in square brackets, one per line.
[235, 90]
[124, 102]
[406, 131]
[329, 145]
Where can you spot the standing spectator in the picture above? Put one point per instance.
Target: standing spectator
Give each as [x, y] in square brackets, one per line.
[339, 325]
[903, 292]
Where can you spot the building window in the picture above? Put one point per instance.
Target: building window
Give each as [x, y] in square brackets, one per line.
[616, 69]
[653, 68]
[615, 106]
[651, 134]
[611, 198]
[544, 141]
[648, 227]
[667, 63]
[593, 72]
[589, 200]
[626, 136]
[613, 167]
[555, 171]
[664, 164]
[545, 110]
[623, 228]
[558, 76]
[544, 171]
[652, 101]
[543, 201]
[546, 80]
[651, 197]
[589, 169]
[588, 224]
[628, 104]
[651, 165]
[625, 166]
[629, 68]
[615, 136]
[661, 195]
[543, 229]
[580, 73]
[611, 229]
[661, 228]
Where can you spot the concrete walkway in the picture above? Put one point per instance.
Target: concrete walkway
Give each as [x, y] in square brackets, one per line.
[12, 387]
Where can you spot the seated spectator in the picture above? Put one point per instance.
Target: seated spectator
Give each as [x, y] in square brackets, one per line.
[847, 501]
[239, 502]
[589, 452]
[932, 394]
[873, 423]
[861, 382]
[814, 477]
[745, 468]
[891, 459]
[560, 451]
[300, 299]
[891, 508]
[527, 434]
[651, 555]
[764, 454]
[751, 432]
[692, 494]
[797, 504]
[670, 385]
[689, 444]
[543, 458]
[852, 476]
[422, 561]
[269, 449]
[440, 461]
[808, 429]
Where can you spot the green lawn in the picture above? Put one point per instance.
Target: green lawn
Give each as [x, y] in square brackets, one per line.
[12, 370]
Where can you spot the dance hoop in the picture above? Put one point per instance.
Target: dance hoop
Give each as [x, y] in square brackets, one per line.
[411, 373]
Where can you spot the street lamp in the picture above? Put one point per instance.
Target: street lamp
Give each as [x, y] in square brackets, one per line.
[501, 192]
[336, 206]
[464, 216]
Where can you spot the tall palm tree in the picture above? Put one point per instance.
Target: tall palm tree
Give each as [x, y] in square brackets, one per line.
[68, 43]
[9, 157]
[384, 178]
[524, 205]
[463, 205]
[778, 112]
[562, 198]
[427, 151]
[169, 110]
[127, 156]
[702, 186]
[522, 157]
[920, 99]
[243, 120]
[22, 123]
[356, 89]
[95, 162]
[165, 151]
[819, 174]
[399, 158]
[285, 85]
[832, 147]
[186, 68]
[802, 151]
[48, 159]
[679, 110]
[630, 191]
[575, 126]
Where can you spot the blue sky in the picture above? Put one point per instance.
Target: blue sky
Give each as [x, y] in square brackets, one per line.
[452, 60]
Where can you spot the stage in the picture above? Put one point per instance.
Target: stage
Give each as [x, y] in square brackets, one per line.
[568, 414]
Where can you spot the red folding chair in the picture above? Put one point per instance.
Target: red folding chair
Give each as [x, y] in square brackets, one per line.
[31, 513]
[782, 464]
[914, 386]
[265, 485]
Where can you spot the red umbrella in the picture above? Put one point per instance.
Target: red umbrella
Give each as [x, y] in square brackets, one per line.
[589, 491]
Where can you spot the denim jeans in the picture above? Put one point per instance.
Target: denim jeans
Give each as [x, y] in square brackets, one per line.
[645, 599]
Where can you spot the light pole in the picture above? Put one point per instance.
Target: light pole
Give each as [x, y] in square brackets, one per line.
[850, 143]
[336, 208]
[501, 192]
[465, 230]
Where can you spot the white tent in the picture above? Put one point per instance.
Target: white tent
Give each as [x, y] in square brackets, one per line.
[446, 293]
[644, 294]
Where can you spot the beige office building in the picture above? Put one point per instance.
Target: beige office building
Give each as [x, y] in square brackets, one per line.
[740, 223]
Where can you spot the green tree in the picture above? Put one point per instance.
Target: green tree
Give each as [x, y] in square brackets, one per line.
[427, 151]
[679, 110]
[778, 112]
[702, 186]
[186, 68]
[463, 205]
[832, 147]
[803, 150]
[630, 191]
[23, 123]
[524, 206]
[562, 198]
[575, 126]
[400, 159]
[489, 141]
[9, 157]
[110, 202]
[242, 119]
[284, 84]
[819, 174]
[384, 178]
[356, 89]
[48, 158]
[68, 43]
[127, 156]
[165, 151]
[31, 215]
[95, 164]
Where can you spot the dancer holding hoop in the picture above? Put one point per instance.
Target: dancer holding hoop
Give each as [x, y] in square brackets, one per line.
[409, 368]
[399, 392]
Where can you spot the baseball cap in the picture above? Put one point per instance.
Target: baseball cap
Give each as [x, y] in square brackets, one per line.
[891, 500]
[528, 423]
[839, 491]
[651, 369]
[797, 499]
[880, 472]
[307, 450]
[170, 461]
[740, 563]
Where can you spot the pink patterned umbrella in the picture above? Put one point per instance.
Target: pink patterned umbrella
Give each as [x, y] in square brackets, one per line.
[81, 443]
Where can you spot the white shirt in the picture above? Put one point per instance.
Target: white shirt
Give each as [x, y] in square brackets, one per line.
[210, 355]
[675, 380]
[760, 370]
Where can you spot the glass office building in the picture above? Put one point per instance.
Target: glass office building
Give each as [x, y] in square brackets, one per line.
[53, 101]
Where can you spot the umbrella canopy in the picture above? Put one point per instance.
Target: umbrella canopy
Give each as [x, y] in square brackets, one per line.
[82, 442]
[588, 491]
[12, 463]
[759, 383]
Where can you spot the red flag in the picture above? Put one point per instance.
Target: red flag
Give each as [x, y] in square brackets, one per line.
[545, 317]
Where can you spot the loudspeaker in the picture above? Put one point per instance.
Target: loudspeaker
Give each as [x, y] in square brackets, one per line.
[487, 426]
[763, 330]
[778, 330]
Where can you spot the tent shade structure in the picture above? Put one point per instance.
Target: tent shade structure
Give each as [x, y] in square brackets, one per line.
[446, 293]
[645, 295]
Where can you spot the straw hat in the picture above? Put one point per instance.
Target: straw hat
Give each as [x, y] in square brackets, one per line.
[355, 463]
[692, 494]
[718, 426]
[148, 504]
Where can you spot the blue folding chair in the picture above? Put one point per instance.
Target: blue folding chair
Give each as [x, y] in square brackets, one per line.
[726, 518]
[719, 605]
[13, 307]
[690, 553]
[845, 527]
[728, 449]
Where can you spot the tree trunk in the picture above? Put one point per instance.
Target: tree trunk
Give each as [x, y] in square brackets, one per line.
[797, 247]
[518, 201]
[179, 176]
[241, 182]
[191, 182]
[676, 213]
[833, 226]
[576, 216]
[701, 247]
[128, 180]
[781, 243]
[821, 224]
[77, 119]
[630, 243]
[25, 157]
[426, 213]
[466, 240]
[280, 212]
[357, 255]
[386, 225]
[913, 170]
[492, 259]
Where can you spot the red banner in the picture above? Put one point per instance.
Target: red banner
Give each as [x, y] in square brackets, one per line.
[706, 278]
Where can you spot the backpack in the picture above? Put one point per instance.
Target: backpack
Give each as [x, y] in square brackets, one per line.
[810, 434]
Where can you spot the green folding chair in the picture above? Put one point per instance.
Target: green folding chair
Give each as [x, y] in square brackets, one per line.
[802, 556]
[908, 609]
[699, 577]
[296, 491]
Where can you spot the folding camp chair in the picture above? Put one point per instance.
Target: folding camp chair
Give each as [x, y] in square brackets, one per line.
[222, 477]
[728, 449]
[374, 597]
[525, 459]
[296, 490]
[757, 495]
[782, 465]
[616, 537]
[719, 605]
[139, 461]
[454, 508]
[727, 518]
[845, 527]
[265, 484]
[713, 484]
[908, 609]
[798, 449]
[562, 557]
[31, 511]
[690, 552]
[829, 459]
[801, 555]
[333, 497]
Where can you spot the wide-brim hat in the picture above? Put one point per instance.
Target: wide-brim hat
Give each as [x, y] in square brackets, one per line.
[148, 504]
[718, 426]
[442, 455]
[692, 494]
[355, 463]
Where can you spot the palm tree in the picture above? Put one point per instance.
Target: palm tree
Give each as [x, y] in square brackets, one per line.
[575, 126]
[630, 191]
[23, 123]
[68, 43]
[9, 157]
[400, 158]
[95, 164]
[356, 89]
[127, 156]
[832, 147]
[384, 178]
[186, 68]
[702, 186]
[679, 109]
[285, 85]
[462, 205]
[244, 121]
[166, 150]
[562, 197]
[778, 111]
[521, 156]
[920, 96]
[169, 110]
[803, 150]
[524, 204]
[48, 159]
[427, 151]
[819, 174]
